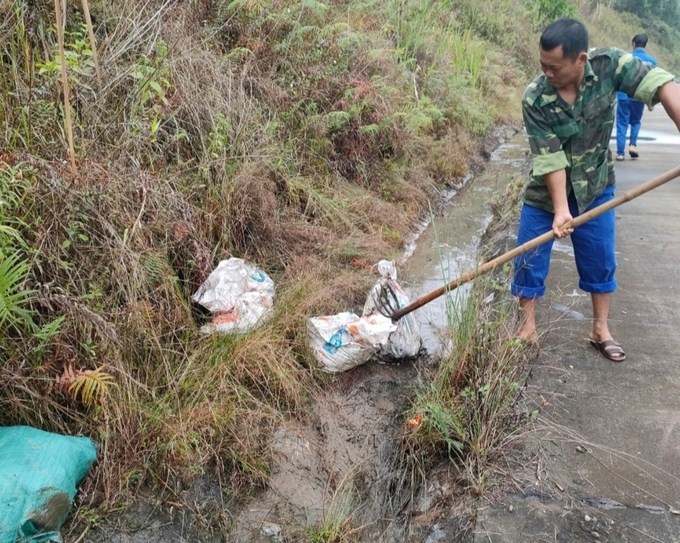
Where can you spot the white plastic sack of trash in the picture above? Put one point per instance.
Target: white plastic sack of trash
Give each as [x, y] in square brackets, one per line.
[240, 295]
[406, 340]
[344, 341]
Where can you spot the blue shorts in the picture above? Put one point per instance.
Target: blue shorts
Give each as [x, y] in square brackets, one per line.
[594, 250]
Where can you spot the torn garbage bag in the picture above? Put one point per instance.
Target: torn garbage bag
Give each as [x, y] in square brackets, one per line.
[405, 341]
[39, 472]
[239, 295]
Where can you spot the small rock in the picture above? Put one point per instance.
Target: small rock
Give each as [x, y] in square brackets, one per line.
[587, 518]
[595, 535]
[270, 529]
[436, 534]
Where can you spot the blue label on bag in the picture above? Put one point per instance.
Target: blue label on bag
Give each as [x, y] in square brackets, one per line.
[337, 340]
[258, 276]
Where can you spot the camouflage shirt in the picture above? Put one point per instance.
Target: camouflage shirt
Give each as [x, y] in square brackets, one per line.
[576, 137]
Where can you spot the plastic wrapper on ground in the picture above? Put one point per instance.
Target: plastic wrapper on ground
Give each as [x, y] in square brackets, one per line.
[39, 472]
[240, 296]
[406, 340]
[344, 341]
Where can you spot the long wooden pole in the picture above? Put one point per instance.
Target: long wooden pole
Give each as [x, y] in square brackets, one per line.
[64, 84]
[532, 244]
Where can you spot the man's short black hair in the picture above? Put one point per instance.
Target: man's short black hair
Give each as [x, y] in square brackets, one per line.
[569, 33]
[640, 40]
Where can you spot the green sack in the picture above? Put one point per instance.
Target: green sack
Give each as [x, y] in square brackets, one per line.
[39, 472]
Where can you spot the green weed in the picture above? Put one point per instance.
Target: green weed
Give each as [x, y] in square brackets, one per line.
[546, 11]
[337, 524]
[470, 408]
[14, 297]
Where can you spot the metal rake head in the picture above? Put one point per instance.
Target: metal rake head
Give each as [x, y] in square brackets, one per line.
[385, 300]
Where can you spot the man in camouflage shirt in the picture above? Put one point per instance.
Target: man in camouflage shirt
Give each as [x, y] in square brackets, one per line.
[569, 115]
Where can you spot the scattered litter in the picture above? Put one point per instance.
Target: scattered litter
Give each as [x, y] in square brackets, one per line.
[405, 341]
[415, 422]
[674, 511]
[436, 534]
[344, 341]
[39, 472]
[581, 449]
[568, 313]
[269, 529]
[240, 296]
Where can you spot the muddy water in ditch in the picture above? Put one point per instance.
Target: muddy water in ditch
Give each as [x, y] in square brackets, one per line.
[346, 464]
[449, 245]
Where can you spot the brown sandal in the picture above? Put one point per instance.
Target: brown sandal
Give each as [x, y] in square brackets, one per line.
[610, 349]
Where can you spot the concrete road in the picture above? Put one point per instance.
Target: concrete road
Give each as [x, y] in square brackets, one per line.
[604, 463]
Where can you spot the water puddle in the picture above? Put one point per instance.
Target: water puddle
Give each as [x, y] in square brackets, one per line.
[655, 137]
[563, 247]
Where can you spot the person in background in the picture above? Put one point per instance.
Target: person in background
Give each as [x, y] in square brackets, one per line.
[629, 112]
[569, 116]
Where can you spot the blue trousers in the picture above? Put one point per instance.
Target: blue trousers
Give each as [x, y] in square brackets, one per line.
[594, 250]
[628, 112]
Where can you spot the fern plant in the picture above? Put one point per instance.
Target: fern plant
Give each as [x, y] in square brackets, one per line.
[90, 387]
[14, 298]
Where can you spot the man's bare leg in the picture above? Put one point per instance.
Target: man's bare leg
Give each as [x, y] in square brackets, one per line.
[528, 309]
[600, 329]
[600, 333]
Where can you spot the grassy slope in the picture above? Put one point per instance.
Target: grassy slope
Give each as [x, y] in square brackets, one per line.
[298, 136]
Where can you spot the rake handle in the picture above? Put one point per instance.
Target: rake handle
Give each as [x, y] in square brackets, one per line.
[532, 244]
